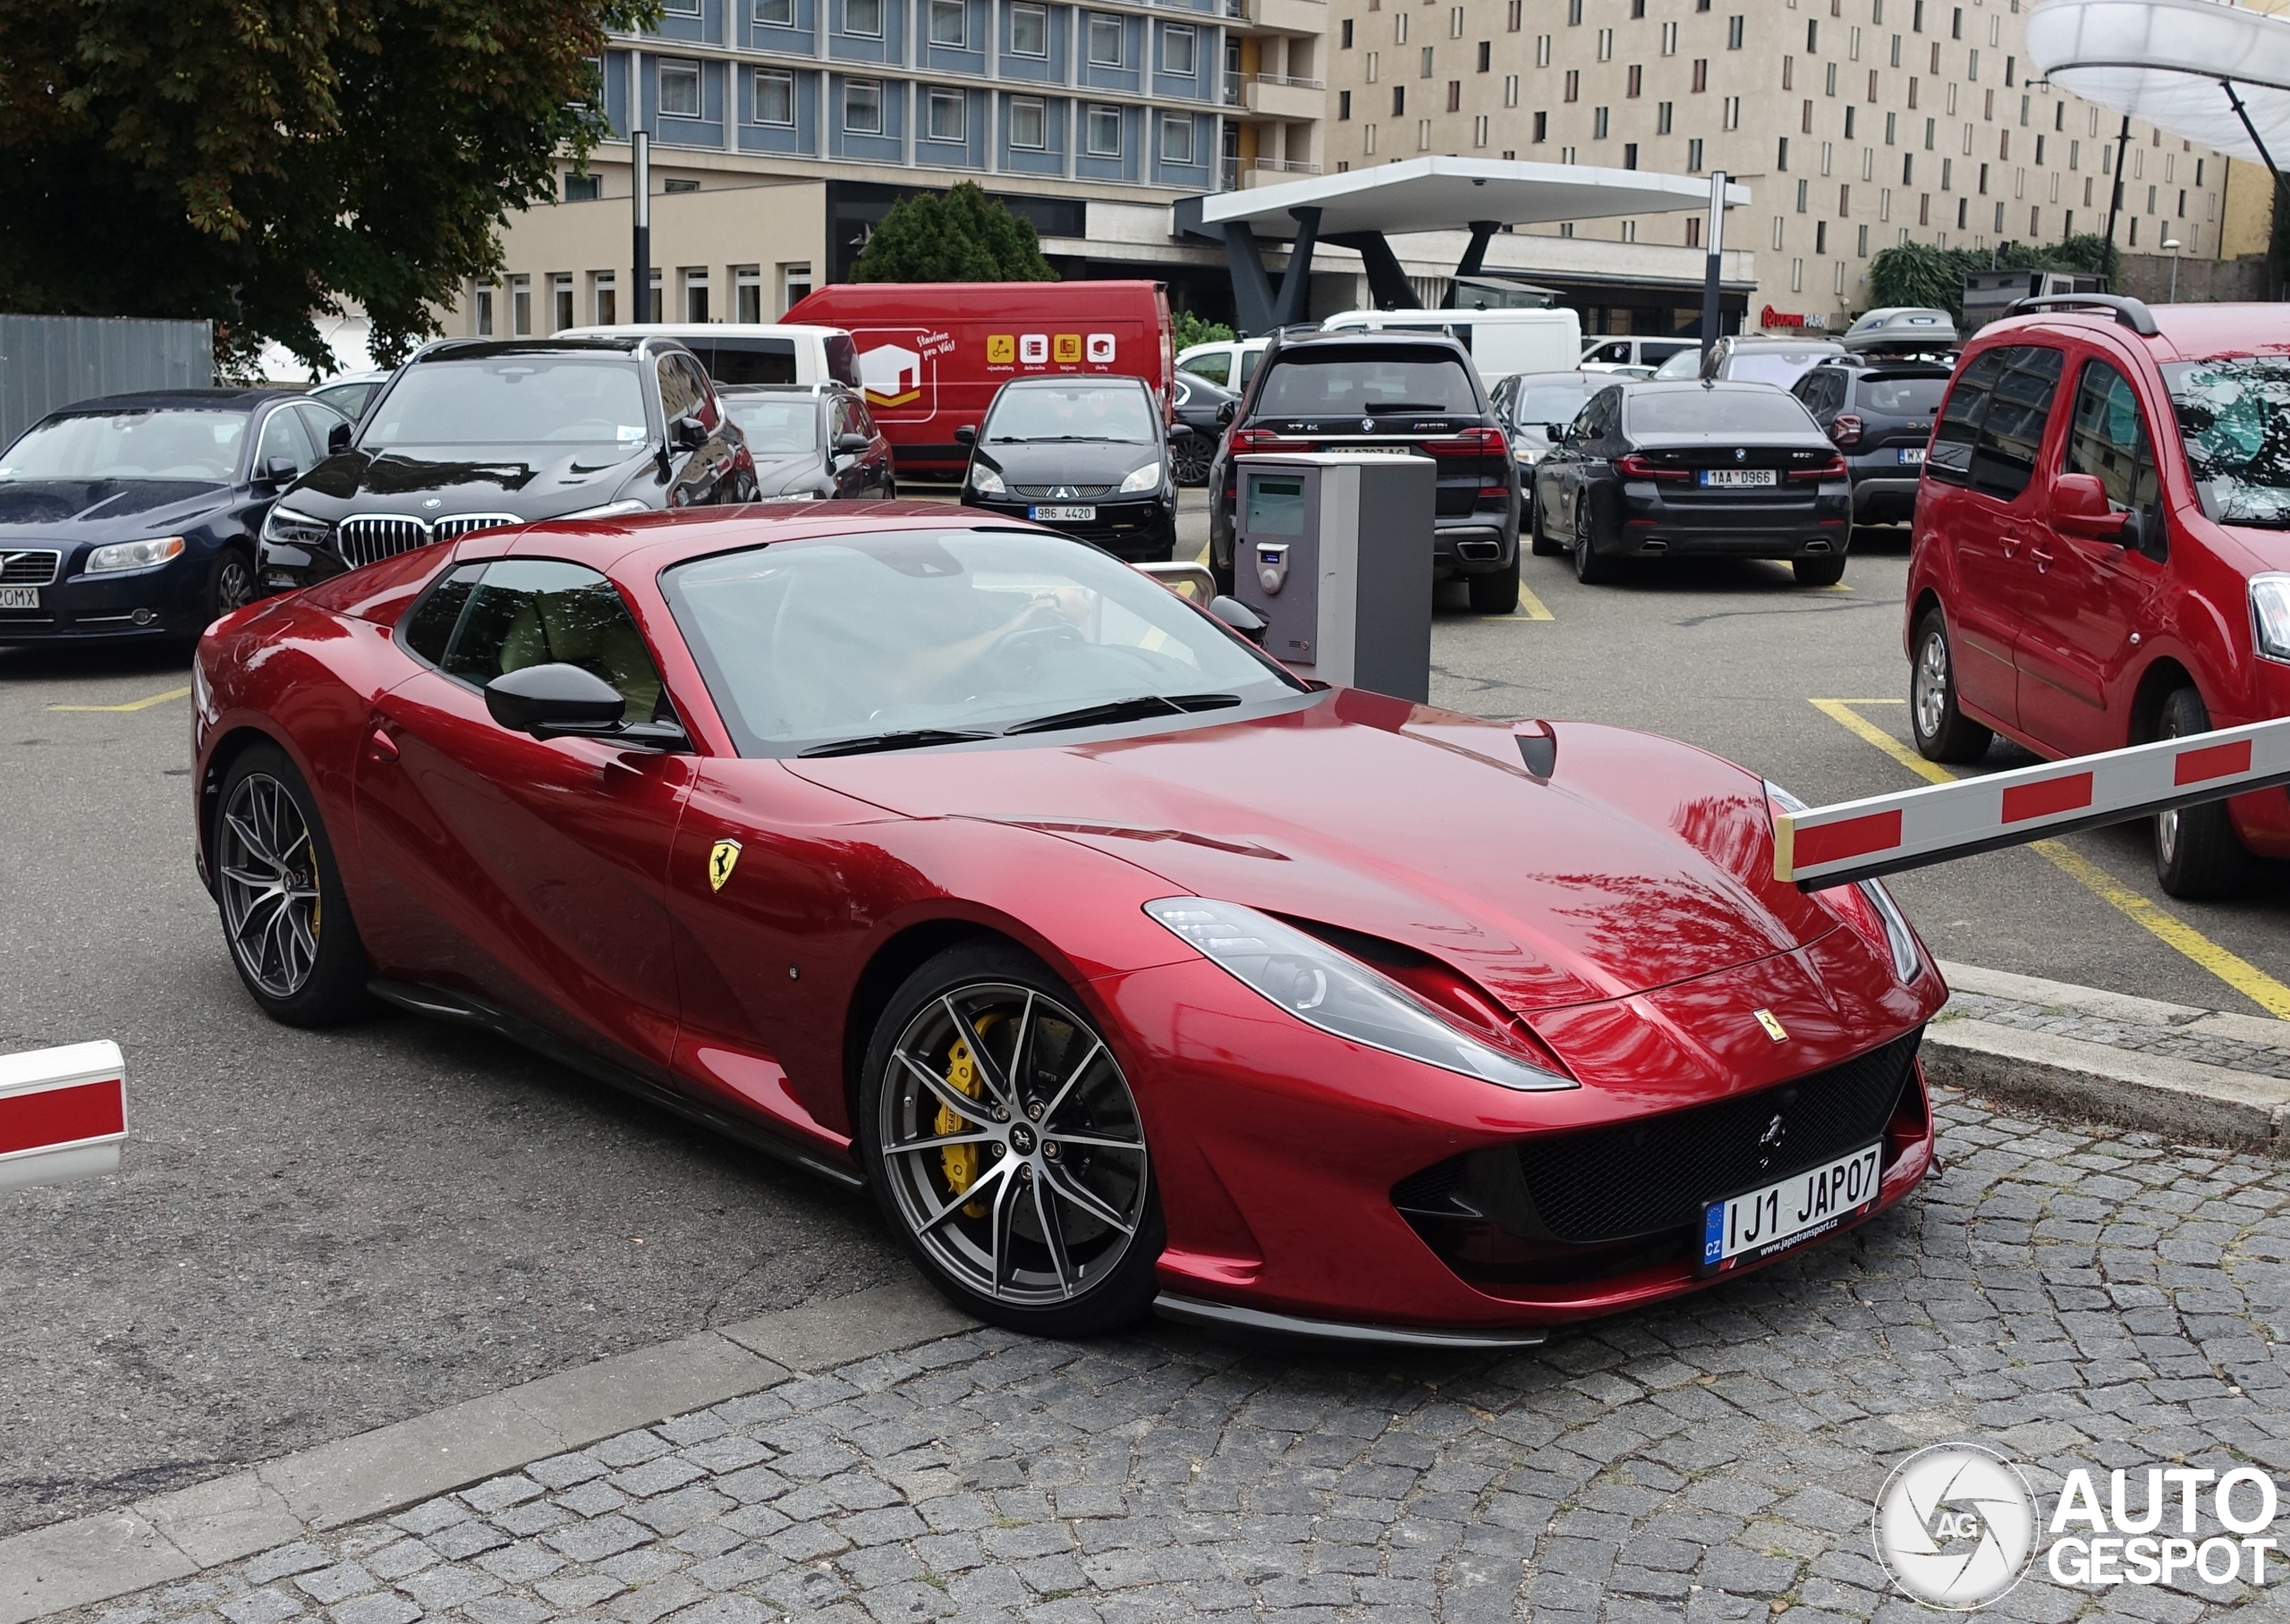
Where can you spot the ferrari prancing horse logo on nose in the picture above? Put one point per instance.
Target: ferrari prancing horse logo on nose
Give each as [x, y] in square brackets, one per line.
[720, 861]
[1773, 1029]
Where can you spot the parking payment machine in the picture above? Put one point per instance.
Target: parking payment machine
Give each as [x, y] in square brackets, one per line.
[1334, 550]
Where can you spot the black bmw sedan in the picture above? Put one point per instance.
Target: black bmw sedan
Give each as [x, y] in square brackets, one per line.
[1086, 455]
[1659, 470]
[811, 443]
[471, 434]
[136, 516]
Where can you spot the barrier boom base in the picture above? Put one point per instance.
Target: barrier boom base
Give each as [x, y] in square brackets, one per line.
[62, 1114]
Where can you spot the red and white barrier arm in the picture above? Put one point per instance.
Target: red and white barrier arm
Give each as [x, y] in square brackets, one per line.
[62, 1114]
[1859, 840]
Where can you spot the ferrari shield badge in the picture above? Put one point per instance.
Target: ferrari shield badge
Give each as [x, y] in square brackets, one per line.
[1773, 1029]
[720, 861]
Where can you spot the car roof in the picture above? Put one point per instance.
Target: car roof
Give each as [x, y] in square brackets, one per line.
[810, 390]
[490, 349]
[644, 544]
[1042, 380]
[227, 398]
[1597, 379]
[2184, 332]
[1637, 388]
[1768, 340]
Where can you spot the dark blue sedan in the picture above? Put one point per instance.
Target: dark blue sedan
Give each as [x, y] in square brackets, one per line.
[137, 516]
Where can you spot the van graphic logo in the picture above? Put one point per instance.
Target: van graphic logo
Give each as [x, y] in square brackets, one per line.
[892, 375]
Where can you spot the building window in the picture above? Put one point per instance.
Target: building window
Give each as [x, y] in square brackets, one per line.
[1694, 156]
[1399, 28]
[1104, 139]
[1517, 16]
[1606, 45]
[1636, 81]
[1802, 197]
[520, 306]
[682, 8]
[1782, 161]
[604, 308]
[1574, 83]
[1693, 231]
[795, 283]
[863, 18]
[560, 303]
[1424, 70]
[862, 107]
[775, 99]
[1796, 276]
[583, 188]
[1455, 99]
[1343, 40]
[774, 13]
[1486, 54]
[1423, 135]
[950, 23]
[1375, 63]
[1732, 112]
[1105, 42]
[1026, 123]
[1399, 101]
[695, 294]
[1542, 127]
[747, 293]
[1630, 161]
[1510, 89]
[1630, 230]
[1542, 50]
[1733, 26]
[1029, 30]
[1479, 130]
[1574, 13]
[679, 89]
[1454, 23]
[1669, 39]
[1180, 50]
[1176, 139]
[1662, 118]
[949, 117]
[1342, 104]
[1597, 123]
[1701, 74]
[1820, 236]
[672, 186]
[1368, 143]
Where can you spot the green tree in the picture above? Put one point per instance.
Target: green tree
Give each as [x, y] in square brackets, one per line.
[258, 163]
[1918, 274]
[959, 235]
[1186, 330]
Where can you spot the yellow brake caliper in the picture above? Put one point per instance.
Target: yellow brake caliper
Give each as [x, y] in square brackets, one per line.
[960, 1161]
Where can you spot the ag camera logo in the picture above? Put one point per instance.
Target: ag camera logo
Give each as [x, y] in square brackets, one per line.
[1956, 1526]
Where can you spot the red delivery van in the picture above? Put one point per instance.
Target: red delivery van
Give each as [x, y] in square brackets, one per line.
[932, 354]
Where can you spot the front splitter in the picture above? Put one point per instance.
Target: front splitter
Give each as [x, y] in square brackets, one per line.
[1195, 1311]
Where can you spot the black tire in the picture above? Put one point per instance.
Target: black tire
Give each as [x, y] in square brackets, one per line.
[2198, 856]
[1590, 569]
[1165, 543]
[1824, 571]
[1496, 592]
[987, 1262]
[1539, 543]
[1941, 731]
[305, 967]
[232, 584]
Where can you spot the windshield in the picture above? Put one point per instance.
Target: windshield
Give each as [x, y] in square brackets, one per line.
[1685, 363]
[1750, 366]
[1071, 411]
[776, 426]
[1734, 411]
[1907, 397]
[1540, 403]
[818, 643]
[2233, 416]
[511, 401]
[156, 443]
[1339, 383]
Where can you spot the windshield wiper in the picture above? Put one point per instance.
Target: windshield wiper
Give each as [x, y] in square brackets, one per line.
[1125, 710]
[1063, 439]
[911, 739]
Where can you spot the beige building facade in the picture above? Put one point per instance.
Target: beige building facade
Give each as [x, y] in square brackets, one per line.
[1857, 124]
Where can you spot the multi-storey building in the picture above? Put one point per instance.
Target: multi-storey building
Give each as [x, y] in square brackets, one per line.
[1856, 124]
[783, 129]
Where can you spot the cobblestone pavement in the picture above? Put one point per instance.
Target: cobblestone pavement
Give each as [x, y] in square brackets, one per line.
[2068, 1296]
[2177, 1039]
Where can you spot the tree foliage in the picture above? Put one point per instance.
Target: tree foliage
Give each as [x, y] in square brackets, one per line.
[958, 235]
[259, 161]
[1918, 274]
[1187, 329]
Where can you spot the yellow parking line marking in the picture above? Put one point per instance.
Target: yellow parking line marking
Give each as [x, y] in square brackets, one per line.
[1530, 608]
[133, 704]
[2236, 972]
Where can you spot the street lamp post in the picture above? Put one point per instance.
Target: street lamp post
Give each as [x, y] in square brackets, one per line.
[1712, 264]
[2171, 246]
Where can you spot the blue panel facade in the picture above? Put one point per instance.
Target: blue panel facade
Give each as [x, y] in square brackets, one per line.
[760, 29]
[890, 147]
[800, 140]
[967, 57]
[1049, 158]
[888, 48]
[1130, 75]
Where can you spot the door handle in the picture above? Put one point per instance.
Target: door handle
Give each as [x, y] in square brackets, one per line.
[2043, 559]
[379, 746]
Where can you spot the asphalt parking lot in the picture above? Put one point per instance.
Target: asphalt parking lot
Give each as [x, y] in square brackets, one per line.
[315, 1234]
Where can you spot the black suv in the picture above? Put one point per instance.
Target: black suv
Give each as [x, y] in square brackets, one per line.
[471, 434]
[1879, 415]
[1385, 390]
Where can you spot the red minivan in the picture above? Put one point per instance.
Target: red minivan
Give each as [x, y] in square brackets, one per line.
[932, 354]
[2102, 550]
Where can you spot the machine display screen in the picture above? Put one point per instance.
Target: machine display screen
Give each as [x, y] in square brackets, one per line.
[1276, 505]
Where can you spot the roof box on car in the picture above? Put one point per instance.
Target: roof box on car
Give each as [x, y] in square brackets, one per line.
[1902, 327]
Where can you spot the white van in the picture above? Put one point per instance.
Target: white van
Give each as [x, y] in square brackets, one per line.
[1501, 341]
[1231, 361]
[752, 352]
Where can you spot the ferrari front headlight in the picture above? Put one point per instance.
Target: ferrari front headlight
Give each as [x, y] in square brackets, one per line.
[985, 482]
[1908, 963]
[1325, 988]
[1145, 478]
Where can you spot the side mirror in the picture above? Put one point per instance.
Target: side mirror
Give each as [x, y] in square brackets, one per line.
[2079, 507]
[852, 442]
[339, 438]
[280, 472]
[550, 700]
[1240, 617]
[967, 435]
[687, 433]
[1179, 431]
[1226, 412]
[1554, 432]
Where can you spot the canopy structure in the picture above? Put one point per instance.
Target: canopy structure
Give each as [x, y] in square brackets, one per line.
[2204, 70]
[1360, 208]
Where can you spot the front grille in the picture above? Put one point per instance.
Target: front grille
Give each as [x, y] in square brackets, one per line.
[469, 524]
[1063, 493]
[1638, 1178]
[366, 538]
[26, 568]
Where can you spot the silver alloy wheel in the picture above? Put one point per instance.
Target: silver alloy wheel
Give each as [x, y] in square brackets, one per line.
[1930, 684]
[267, 868]
[1011, 1144]
[233, 585]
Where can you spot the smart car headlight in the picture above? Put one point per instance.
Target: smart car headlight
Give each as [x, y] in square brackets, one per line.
[294, 529]
[2271, 616]
[1908, 962]
[132, 555]
[1145, 478]
[1325, 988]
[985, 482]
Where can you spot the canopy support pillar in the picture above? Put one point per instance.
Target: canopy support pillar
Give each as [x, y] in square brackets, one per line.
[1251, 287]
[2281, 184]
[1389, 287]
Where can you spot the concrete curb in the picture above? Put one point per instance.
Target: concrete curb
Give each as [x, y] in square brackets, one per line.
[2115, 1085]
[172, 1536]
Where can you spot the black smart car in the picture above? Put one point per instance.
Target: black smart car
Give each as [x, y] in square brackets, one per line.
[471, 434]
[137, 516]
[1086, 455]
[1385, 390]
[811, 444]
[1662, 470]
[1879, 414]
